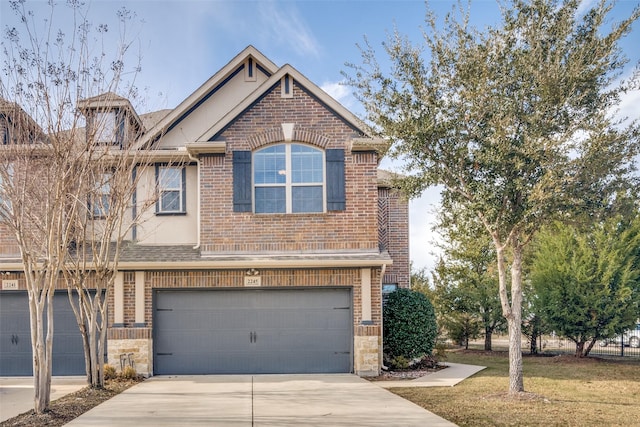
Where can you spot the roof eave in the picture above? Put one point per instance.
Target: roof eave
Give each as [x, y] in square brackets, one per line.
[237, 263]
[197, 148]
[199, 93]
[256, 94]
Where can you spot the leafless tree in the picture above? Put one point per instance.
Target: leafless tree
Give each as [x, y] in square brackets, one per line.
[115, 200]
[55, 173]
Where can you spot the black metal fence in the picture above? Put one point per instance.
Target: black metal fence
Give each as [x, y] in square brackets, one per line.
[611, 347]
[551, 344]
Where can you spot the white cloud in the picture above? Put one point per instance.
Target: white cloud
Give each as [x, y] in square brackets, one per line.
[282, 23]
[584, 6]
[422, 242]
[630, 105]
[341, 93]
[423, 251]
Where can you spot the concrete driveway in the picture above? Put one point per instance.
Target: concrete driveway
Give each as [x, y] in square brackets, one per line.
[261, 400]
[16, 393]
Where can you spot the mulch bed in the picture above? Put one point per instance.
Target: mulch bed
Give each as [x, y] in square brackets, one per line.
[418, 370]
[65, 409]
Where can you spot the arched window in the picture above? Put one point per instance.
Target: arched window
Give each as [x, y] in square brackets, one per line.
[289, 178]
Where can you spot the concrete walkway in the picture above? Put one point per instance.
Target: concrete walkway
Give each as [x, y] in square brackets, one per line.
[16, 393]
[245, 400]
[448, 377]
[262, 400]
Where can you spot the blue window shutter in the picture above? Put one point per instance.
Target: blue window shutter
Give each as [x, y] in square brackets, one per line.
[120, 117]
[242, 181]
[158, 191]
[336, 196]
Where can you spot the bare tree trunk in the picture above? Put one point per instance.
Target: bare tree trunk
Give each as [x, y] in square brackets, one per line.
[37, 346]
[590, 346]
[103, 341]
[93, 344]
[46, 379]
[516, 378]
[512, 311]
[41, 297]
[79, 312]
[488, 333]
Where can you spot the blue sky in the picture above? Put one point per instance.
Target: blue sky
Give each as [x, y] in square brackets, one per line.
[183, 43]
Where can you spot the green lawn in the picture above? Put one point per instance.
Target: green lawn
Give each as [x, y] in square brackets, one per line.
[561, 391]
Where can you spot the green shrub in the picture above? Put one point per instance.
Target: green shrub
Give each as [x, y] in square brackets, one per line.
[440, 350]
[399, 362]
[410, 328]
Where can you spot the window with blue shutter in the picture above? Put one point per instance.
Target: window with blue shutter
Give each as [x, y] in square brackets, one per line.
[242, 181]
[288, 178]
[336, 194]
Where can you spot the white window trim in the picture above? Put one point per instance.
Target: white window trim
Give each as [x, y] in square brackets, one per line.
[180, 189]
[288, 184]
[106, 127]
[98, 208]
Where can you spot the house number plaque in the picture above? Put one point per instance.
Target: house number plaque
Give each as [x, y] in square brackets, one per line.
[252, 281]
[9, 285]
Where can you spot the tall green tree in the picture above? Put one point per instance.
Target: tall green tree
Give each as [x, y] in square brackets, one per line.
[466, 280]
[514, 122]
[420, 282]
[452, 305]
[588, 283]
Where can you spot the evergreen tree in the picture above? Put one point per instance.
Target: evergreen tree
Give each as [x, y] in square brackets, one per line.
[514, 122]
[588, 283]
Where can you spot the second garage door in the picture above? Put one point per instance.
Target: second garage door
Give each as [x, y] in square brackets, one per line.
[15, 336]
[253, 331]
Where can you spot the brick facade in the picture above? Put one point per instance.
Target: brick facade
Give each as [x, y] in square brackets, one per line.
[8, 245]
[224, 231]
[373, 223]
[393, 223]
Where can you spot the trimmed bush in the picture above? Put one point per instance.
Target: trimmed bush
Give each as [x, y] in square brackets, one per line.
[410, 328]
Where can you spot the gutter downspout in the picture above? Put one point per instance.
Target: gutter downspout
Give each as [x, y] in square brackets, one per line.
[380, 349]
[197, 160]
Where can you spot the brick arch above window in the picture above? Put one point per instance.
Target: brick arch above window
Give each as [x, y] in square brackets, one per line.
[300, 134]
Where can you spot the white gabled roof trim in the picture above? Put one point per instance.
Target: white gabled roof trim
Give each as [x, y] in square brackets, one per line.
[274, 79]
[369, 144]
[205, 88]
[238, 263]
[197, 148]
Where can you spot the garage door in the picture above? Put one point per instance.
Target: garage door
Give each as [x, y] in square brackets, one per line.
[252, 331]
[15, 336]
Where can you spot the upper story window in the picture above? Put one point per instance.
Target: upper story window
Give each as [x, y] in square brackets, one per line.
[100, 201]
[171, 182]
[250, 188]
[105, 123]
[109, 127]
[5, 200]
[289, 178]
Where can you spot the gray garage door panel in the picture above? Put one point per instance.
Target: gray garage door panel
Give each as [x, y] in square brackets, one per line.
[252, 331]
[15, 337]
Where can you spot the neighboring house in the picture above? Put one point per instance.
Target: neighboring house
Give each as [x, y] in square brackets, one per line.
[268, 247]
